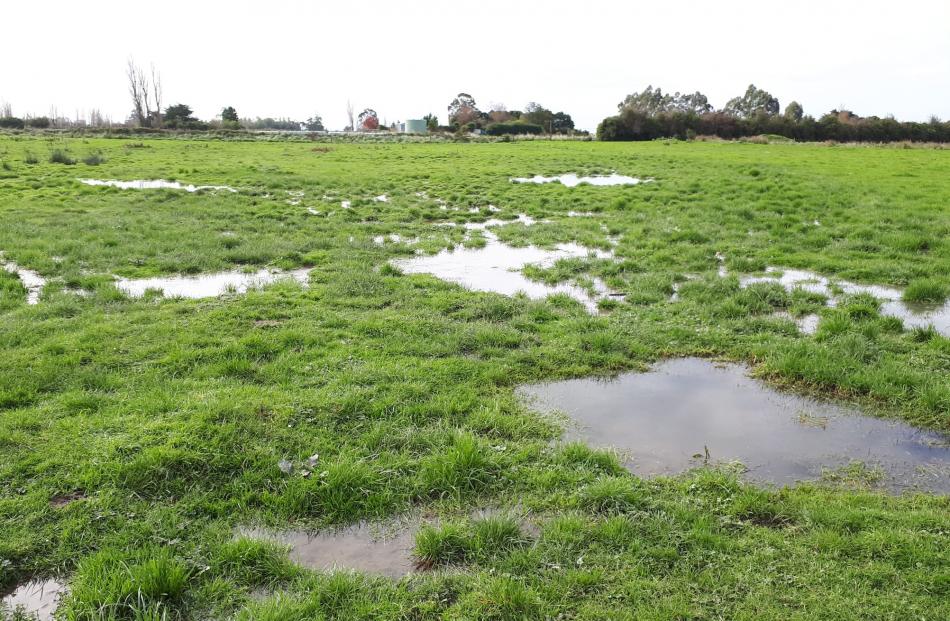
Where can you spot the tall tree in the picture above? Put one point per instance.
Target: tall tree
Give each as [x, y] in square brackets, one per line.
[462, 109]
[314, 123]
[229, 114]
[754, 101]
[794, 111]
[368, 120]
[349, 115]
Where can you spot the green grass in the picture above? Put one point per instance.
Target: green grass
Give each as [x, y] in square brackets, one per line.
[926, 290]
[166, 419]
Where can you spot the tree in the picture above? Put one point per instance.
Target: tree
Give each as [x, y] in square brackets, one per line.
[229, 114]
[754, 101]
[561, 123]
[653, 101]
[349, 115]
[432, 121]
[314, 124]
[463, 110]
[794, 111]
[180, 116]
[145, 91]
[368, 120]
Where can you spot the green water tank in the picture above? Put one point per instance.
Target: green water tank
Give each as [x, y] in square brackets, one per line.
[416, 126]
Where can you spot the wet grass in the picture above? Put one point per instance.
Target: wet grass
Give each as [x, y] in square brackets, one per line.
[171, 416]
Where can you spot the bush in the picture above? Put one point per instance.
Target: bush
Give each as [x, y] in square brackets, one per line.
[58, 156]
[514, 128]
[11, 122]
[40, 122]
[93, 159]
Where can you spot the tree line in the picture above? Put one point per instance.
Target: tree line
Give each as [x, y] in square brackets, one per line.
[652, 114]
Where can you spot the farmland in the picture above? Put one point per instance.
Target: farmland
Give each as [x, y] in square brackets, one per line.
[141, 435]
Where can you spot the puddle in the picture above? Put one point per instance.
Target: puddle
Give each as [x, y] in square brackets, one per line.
[481, 226]
[31, 280]
[913, 315]
[38, 598]
[209, 285]
[496, 268]
[394, 238]
[371, 548]
[580, 214]
[153, 184]
[345, 204]
[382, 198]
[807, 324]
[681, 409]
[572, 180]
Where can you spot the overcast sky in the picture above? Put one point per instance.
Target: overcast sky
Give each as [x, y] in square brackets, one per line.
[405, 59]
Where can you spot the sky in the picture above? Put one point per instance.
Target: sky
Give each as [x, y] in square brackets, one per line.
[284, 58]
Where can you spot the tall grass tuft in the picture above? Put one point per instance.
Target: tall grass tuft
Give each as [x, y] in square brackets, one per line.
[58, 156]
[926, 290]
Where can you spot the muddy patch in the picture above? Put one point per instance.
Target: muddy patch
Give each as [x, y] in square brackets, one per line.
[913, 315]
[572, 180]
[384, 550]
[209, 285]
[687, 412]
[37, 598]
[153, 184]
[31, 280]
[496, 267]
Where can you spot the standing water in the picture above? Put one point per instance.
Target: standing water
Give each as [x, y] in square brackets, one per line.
[671, 418]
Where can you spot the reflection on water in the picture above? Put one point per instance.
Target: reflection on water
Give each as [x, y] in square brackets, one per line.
[684, 407]
[153, 184]
[571, 180]
[208, 285]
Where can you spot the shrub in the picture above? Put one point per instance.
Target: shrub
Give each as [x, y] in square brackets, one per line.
[514, 128]
[93, 159]
[11, 122]
[58, 156]
[40, 122]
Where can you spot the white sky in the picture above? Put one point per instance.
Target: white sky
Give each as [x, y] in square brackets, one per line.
[294, 58]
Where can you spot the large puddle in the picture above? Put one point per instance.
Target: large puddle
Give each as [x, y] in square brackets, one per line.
[208, 285]
[384, 550]
[153, 184]
[688, 411]
[914, 315]
[38, 599]
[571, 180]
[31, 280]
[496, 267]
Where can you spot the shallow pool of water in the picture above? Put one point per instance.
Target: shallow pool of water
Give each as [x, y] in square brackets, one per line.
[913, 315]
[208, 285]
[571, 180]
[31, 280]
[371, 548]
[667, 420]
[496, 267]
[153, 184]
[38, 598]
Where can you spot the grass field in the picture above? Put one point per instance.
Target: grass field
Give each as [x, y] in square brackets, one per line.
[136, 434]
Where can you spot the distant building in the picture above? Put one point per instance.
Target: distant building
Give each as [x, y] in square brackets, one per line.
[416, 126]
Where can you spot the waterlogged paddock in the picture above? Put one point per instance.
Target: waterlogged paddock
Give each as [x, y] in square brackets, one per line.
[686, 411]
[209, 285]
[38, 599]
